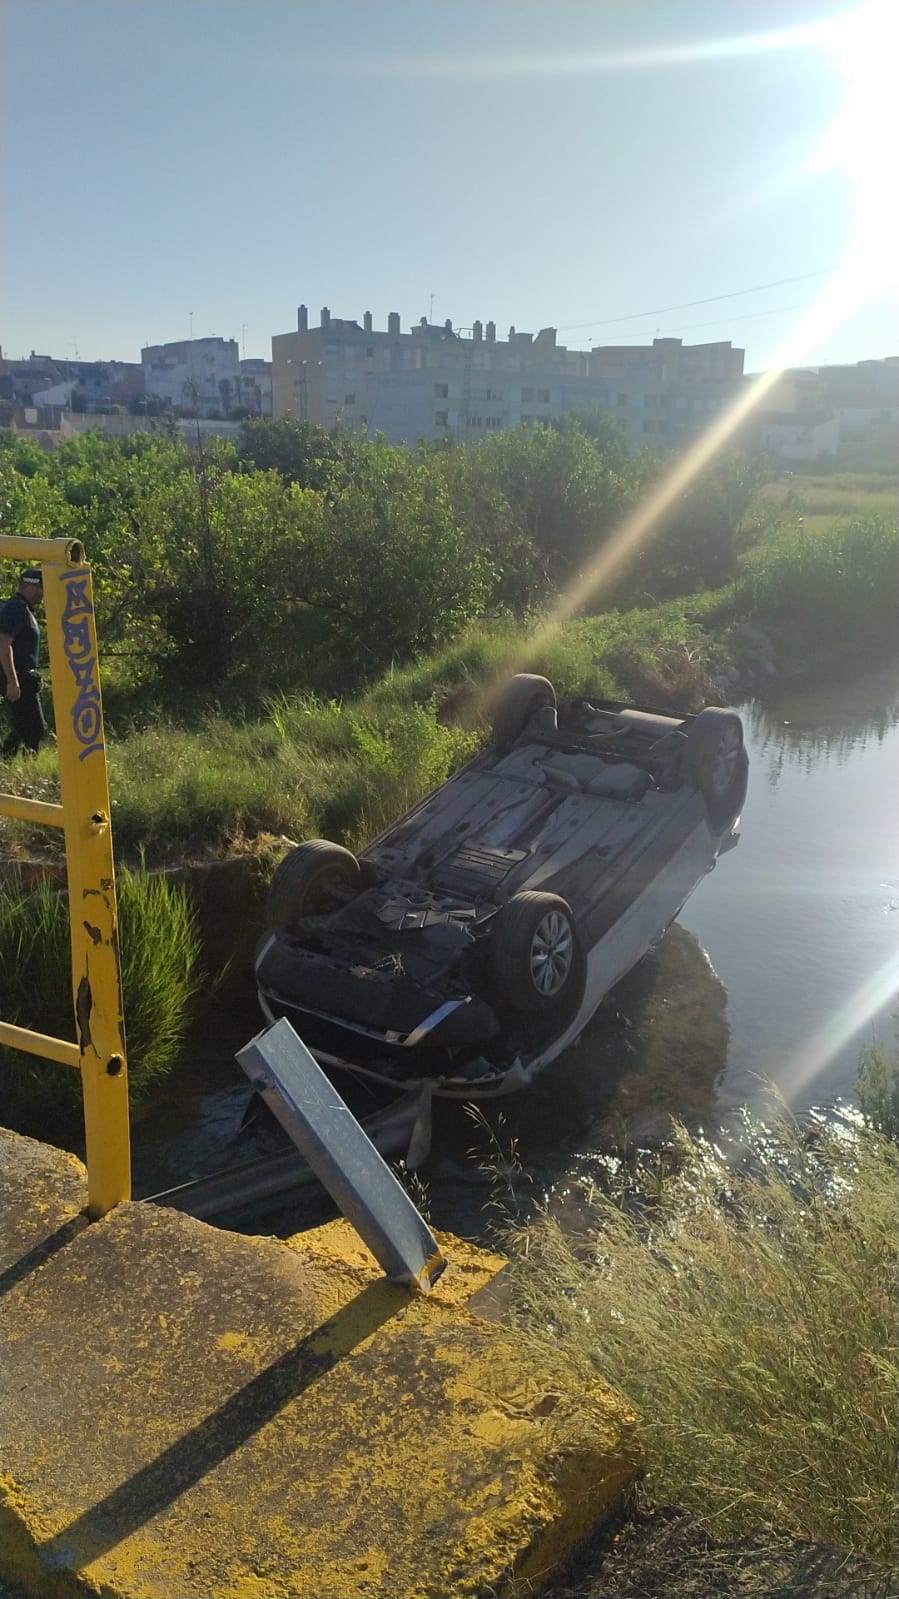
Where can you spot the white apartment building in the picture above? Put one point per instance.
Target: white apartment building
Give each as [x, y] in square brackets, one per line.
[255, 386]
[201, 374]
[437, 381]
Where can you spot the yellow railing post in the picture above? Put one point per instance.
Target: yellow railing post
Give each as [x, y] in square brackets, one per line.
[96, 967]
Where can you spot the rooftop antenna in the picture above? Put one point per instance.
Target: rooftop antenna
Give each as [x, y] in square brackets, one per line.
[243, 340]
[431, 309]
[75, 347]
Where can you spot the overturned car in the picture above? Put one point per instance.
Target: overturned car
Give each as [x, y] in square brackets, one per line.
[471, 942]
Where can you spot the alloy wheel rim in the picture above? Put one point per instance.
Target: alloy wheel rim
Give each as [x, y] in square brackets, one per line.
[552, 954]
[727, 756]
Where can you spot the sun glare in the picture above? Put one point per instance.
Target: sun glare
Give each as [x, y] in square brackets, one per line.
[862, 142]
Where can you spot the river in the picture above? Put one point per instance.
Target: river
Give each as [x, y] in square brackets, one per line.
[783, 966]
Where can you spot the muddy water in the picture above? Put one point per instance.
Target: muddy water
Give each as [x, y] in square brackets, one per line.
[784, 964]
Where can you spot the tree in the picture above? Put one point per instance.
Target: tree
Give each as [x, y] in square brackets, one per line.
[565, 493]
[388, 563]
[697, 541]
[302, 452]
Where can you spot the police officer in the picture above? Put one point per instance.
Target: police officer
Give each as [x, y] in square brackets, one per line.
[20, 682]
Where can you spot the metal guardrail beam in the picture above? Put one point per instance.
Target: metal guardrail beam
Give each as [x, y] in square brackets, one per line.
[344, 1159]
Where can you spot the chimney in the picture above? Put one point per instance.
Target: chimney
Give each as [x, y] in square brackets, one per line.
[491, 332]
[423, 322]
[366, 322]
[393, 323]
[511, 334]
[477, 332]
[447, 326]
[326, 317]
[302, 319]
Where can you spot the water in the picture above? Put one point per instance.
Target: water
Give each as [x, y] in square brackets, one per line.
[782, 967]
[801, 922]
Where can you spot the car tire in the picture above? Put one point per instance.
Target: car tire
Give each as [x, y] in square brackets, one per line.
[534, 950]
[309, 881]
[521, 697]
[715, 758]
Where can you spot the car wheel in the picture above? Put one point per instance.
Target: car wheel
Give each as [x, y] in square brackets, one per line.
[309, 880]
[534, 951]
[522, 696]
[715, 758]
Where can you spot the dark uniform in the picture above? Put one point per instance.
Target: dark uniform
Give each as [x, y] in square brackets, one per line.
[18, 622]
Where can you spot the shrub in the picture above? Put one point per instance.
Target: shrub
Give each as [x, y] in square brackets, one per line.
[159, 951]
[747, 1311]
[838, 582]
[878, 1091]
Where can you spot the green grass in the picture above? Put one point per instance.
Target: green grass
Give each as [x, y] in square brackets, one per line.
[838, 583]
[748, 1313]
[159, 952]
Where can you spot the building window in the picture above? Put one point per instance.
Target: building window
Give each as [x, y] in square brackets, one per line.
[527, 394]
[494, 394]
[622, 399]
[543, 396]
[649, 401]
[441, 391]
[349, 399]
[441, 419]
[649, 427]
[493, 421]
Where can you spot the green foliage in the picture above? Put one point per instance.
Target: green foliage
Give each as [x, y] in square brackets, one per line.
[387, 562]
[838, 582]
[747, 1309]
[878, 1090]
[698, 540]
[159, 952]
[312, 562]
[300, 452]
[564, 497]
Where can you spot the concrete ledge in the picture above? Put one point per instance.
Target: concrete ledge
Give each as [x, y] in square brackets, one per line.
[193, 1414]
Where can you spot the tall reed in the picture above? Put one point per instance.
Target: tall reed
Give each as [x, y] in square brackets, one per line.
[748, 1311]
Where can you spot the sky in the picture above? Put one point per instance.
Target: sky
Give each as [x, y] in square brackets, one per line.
[617, 169]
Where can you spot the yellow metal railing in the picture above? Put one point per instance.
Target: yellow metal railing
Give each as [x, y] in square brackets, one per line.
[84, 817]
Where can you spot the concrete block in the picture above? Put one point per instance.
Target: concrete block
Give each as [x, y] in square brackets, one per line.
[193, 1414]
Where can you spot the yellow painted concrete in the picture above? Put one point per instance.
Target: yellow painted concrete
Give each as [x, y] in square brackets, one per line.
[193, 1414]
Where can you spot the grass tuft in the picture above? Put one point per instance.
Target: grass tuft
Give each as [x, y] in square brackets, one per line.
[159, 951]
[748, 1313]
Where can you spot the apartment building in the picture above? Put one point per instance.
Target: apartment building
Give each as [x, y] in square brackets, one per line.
[255, 386]
[437, 381]
[46, 380]
[201, 375]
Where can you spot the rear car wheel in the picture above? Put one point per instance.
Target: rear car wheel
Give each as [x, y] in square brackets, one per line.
[715, 759]
[522, 696]
[309, 881]
[534, 951]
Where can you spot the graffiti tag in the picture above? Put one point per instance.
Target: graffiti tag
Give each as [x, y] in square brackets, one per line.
[77, 643]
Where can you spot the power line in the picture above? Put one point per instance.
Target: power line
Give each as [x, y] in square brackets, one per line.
[686, 305]
[687, 327]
